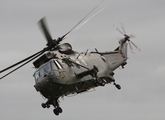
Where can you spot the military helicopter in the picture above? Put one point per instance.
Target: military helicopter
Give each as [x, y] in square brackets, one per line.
[62, 71]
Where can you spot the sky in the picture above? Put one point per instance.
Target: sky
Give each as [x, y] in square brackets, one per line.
[143, 87]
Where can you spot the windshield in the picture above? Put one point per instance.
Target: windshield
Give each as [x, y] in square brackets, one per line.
[43, 70]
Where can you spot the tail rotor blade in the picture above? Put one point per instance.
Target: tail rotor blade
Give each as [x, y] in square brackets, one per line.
[119, 39]
[123, 28]
[135, 46]
[118, 29]
[131, 47]
[132, 36]
[127, 37]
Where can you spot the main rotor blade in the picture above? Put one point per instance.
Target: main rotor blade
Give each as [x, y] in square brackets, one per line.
[89, 19]
[21, 61]
[45, 30]
[22, 65]
[81, 21]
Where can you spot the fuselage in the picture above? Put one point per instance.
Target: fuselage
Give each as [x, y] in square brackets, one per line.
[64, 74]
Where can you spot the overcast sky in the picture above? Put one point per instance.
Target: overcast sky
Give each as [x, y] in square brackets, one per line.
[142, 96]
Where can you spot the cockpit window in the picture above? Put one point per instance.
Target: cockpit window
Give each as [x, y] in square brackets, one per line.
[47, 67]
[36, 75]
[42, 71]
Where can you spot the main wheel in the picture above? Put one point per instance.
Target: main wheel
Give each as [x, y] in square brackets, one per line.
[56, 112]
[118, 86]
[59, 109]
[43, 105]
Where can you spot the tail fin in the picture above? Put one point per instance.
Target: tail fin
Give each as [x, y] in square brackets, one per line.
[123, 47]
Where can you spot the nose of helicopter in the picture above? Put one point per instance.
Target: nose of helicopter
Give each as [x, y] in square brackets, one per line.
[43, 82]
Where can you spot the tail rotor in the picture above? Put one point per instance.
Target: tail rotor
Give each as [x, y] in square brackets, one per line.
[126, 37]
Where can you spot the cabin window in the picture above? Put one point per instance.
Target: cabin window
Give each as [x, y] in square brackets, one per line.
[41, 72]
[36, 75]
[47, 67]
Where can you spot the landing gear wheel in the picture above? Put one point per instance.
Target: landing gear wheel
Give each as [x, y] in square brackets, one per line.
[48, 106]
[43, 105]
[117, 86]
[57, 111]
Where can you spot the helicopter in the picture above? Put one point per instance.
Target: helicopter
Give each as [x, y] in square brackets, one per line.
[62, 71]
